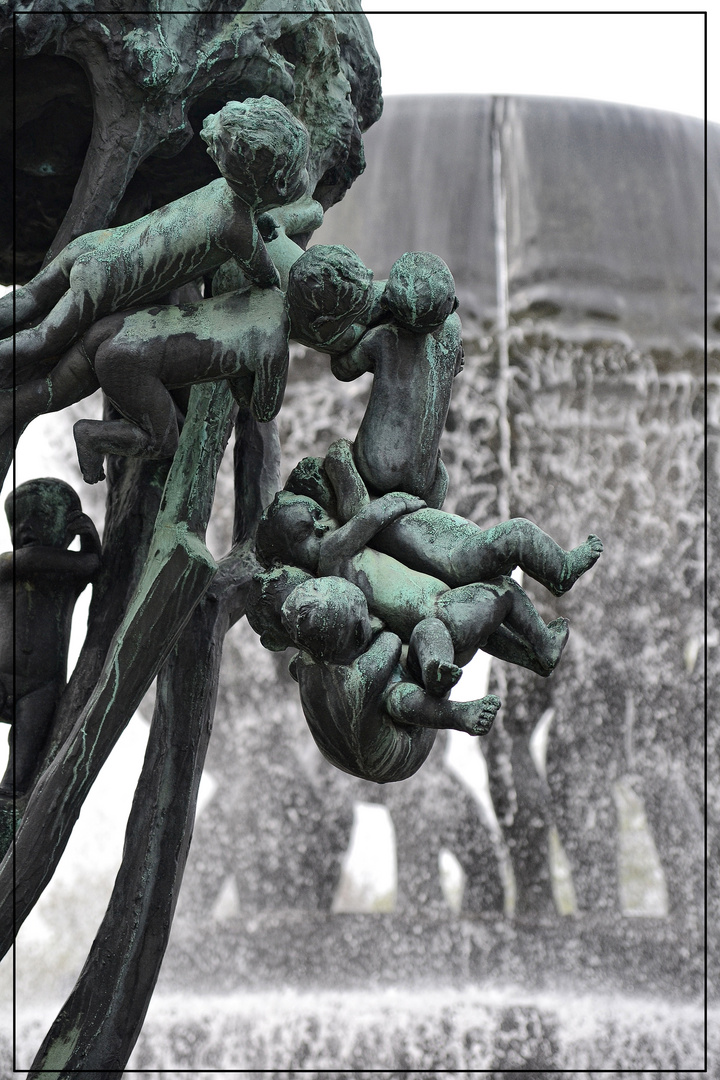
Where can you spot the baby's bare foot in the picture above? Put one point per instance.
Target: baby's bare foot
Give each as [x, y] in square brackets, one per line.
[90, 459]
[439, 677]
[577, 562]
[559, 629]
[481, 714]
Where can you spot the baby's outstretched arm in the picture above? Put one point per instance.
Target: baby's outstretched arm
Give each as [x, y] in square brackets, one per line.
[296, 218]
[250, 251]
[349, 540]
[278, 226]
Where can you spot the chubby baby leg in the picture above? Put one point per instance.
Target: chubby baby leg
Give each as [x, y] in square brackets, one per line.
[410, 704]
[37, 349]
[431, 657]
[576, 562]
[151, 427]
[33, 717]
[546, 641]
[520, 542]
[122, 438]
[96, 438]
[473, 613]
[70, 381]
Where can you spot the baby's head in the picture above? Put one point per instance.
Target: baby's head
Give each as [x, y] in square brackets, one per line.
[291, 530]
[261, 149]
[328, 617]
[267, 593]
[309, 478]
[38, 512]
[420, 292]
[329, 289]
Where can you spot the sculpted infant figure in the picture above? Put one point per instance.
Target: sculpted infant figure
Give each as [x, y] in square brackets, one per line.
[296, 530]
[336, 298]
[137, 357]
[261, 150]
[365, 714]
[39, 583]
[414, 359]
[445, 545]
[406, 333]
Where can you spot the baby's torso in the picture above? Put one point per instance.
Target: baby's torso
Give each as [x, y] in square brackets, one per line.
[163, 250]
[211, 339]
[397, 444]
[36, 642]
[345, 713]
[401, 597]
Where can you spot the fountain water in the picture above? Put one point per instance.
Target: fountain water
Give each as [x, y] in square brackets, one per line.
[574, 231]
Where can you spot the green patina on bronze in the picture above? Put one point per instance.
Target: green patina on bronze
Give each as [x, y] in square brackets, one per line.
[109, 1012]
[39, 583]
[384, 595]
[177, 573]
[335, 298]
[367, 714]
[137, 104]
[158, 582]
[114, 269]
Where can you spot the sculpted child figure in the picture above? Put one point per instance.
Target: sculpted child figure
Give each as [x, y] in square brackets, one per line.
[40, 582]
[137, 357]
[295, 530]
[365, 714]
[414, 353]
[445, 545]
[386, 327]
[414, 359]
[335, 297]
[261, 150]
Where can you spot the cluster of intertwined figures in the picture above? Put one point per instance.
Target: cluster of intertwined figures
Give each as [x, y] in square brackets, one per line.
[384, 595]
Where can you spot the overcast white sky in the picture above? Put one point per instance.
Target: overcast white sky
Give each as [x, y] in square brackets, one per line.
[652, 58]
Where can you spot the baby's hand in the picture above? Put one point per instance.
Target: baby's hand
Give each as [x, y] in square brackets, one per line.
[403, 503]
[267, 228]
[79, 523]
[302, 216]
[412, 502]
[269, 281]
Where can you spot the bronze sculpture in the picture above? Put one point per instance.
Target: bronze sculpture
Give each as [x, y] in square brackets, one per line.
[261, 150]
[367, 715]
[136, 356]
[39, 583]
